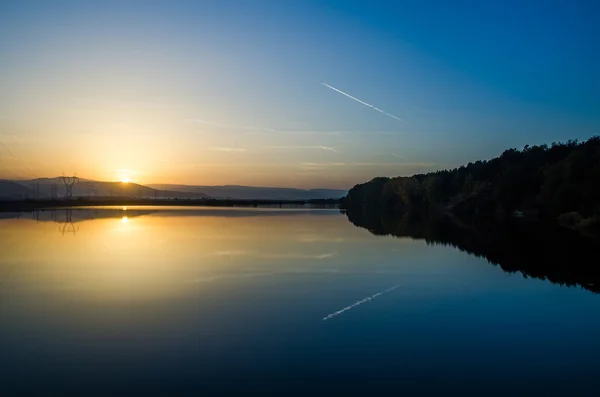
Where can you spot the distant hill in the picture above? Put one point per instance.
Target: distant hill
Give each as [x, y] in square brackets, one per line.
[14, 190]
[255, 193]
[88, 188]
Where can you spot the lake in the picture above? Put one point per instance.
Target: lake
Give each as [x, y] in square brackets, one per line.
[192, 301]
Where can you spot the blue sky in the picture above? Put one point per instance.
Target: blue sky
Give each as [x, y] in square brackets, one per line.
[231, 92]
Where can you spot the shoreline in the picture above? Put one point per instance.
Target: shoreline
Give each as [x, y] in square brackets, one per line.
[32, 205]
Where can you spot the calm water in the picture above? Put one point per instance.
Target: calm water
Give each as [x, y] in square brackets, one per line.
[138, 302]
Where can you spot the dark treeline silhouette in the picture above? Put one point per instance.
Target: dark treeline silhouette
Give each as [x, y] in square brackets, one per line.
[540, 250]
[560, 181]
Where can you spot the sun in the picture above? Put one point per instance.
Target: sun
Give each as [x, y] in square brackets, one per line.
[125, 180]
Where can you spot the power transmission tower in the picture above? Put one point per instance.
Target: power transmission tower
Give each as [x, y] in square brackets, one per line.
[68, 226]
[69, 182]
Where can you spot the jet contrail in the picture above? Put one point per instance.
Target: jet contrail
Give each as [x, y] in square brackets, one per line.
[361, 102]
[360, 302]
[397, 155]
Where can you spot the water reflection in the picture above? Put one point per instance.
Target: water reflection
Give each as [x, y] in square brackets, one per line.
[545, 251]
[151, 301]
[125, 253]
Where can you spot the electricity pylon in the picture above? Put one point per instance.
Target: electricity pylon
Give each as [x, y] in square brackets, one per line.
[69, 182]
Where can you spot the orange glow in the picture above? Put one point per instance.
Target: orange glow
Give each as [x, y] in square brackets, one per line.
[148, 257]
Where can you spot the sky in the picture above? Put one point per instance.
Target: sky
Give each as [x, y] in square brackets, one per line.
[307, 94]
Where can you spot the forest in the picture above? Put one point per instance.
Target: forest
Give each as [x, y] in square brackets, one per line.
[560, 181]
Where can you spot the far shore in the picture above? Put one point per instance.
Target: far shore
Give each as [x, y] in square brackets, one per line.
[31, 205]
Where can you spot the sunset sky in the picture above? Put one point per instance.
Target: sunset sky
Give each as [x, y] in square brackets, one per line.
[288, 93]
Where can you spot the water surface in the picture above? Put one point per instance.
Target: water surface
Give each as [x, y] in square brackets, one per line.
[156, 301]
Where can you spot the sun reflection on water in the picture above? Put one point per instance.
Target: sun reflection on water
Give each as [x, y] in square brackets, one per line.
[151, 257]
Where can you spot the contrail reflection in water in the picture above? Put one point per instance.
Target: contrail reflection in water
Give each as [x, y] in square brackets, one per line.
[360, 302]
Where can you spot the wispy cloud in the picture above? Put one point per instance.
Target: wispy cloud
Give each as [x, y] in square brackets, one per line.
[362, 102]
[251, 128]
[228, 149]
[231, 126]
[232, 276]
[400, 157]
[320, 239]
[315, 147]
[358, 303]
[416, 164]
[207, 122]
[323, 164]
[336, 133]
[230, 253]
[260, 130]
[320, 166]
[275, 255]
[292, 255]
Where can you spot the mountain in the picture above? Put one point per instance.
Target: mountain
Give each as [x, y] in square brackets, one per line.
[255, 193]
[87, 188]
[13, 190]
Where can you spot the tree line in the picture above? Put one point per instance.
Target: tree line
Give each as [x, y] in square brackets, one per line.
[548, 181]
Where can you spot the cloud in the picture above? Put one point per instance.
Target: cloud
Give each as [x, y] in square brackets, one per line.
[228, 149]
[320, 166]
[232, 276]
[259, 130]
[362, 102]
[239, 127]
[325, 255]
[315, 147]
[229, 253]
[273, 255]
[326, 148]
[404, 165]
[320, 239]
[337, 133]
[397, 155]
[358, 303]
[323, 164]
[207, 122]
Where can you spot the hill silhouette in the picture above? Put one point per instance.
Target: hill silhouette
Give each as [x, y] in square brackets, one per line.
[28, 189]
[12, 190]
[91, 188]
[256, 193]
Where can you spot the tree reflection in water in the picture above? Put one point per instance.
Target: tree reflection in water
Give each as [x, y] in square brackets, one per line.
[544, 251]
